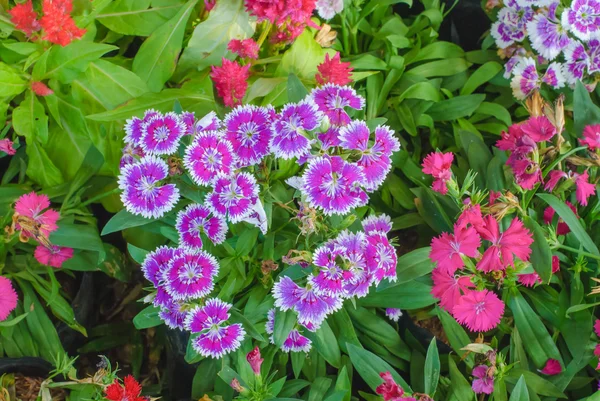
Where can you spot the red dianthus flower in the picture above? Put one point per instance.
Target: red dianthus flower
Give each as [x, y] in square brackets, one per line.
[231, 81]
[59, 27]
[333, 71]
[25, 18]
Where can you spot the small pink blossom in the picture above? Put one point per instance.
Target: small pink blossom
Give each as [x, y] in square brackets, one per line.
[231, 81]
[448, 249]
[561, 228]
[334, 71]
[551, 368]
[245, 48]
[553, 177]
[529, 279]
[591, 137]
[585, 189]
[515, 241]
[555, 264]
[8, 298]
[36, 207]
[53, 255]
[389, 389]
[449, 288]
[41, 89]
[479, 310]
[438, 165]
[482, 382]
[540, 129]
[6, 146]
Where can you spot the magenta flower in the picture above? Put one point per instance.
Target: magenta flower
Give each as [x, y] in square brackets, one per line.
[539, 129]
[333, 99]
[553, 177]
[394, 314]
[577, 61]
[389, 389]
[215, 338]
[289, 129]
[249, 131]
[143, 193]
[333, 185]
[209, 122]
[296, 342]
[156, 262]
[311, 308]
[482, 383]
[233, 196]
[448, 249]
[52, 255]
[381, 258]
[246, 48]
[190, 275]
[527, 173]
[561, 228]
[161, 134]
[173, 313]
[591, 137]
[529, 279]
[8, 298]
[329, 138]
[449, 288]
[133, 128]
[438, 165]
[377, 223]
[36, 208]
[551, 368]
[584, 189]
[254, 359]
[208, 156]
[583, 19]
[479, 310]
[515, 241]
[131, 154]
[196, 219]
[597, 327]
[6, 146]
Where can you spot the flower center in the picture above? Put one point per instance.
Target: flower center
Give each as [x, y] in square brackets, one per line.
[161, 133]
[479, 307]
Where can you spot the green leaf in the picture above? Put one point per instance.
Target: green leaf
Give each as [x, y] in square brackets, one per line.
[441, 68]
[246, 242]
[135, 18]
[11, 83]
[572, 221]
[520, 392]
[91, 164]
[238, 317]
[296, 90]
[432, 368]
[541, 254]
[147, 318]
[577, 308]
[585, 111]
[319, 388]
[540, 346]
[369, 366]
[439, 50]
[122, 220]
[460, 387]
[538, 384]
[30, 120]
[137, 254]
[456, 107]
[326, 345]
[284, 323]
[410, 295]
[156, 59]
[421, 90]
[208, 43]
[66, 63]
[495, 110]
[480, 76]
[410, 266]
[12, 322]
[40, 168]
[457, 336]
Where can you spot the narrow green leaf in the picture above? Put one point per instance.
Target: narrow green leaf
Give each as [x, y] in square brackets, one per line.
[520, 392]
[432, 368]
[541, 254]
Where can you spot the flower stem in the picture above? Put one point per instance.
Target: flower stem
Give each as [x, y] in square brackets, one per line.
[568, 248]
[100, 196]
[264, 33]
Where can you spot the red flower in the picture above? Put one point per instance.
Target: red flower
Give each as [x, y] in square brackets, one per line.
[231, 81]
[25, 18]
[515, 241]
[246, 48]
[389, 389]
[59, 27]
[333, 71]
[591, 137]
[551, 368]
[555, 264]
[129, 391]
[255, 360]
[40, 89]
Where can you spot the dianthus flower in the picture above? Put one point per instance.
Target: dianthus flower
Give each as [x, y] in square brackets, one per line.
[515, 241]
[583, 19]
[333, 185]
[142, 193]
[529, 279]
[551, 368]
[36, 207]
[377, 223]
[577, 61]
[130, 155]
[449, 288]
[208, 156]
[59, 27]
[438, 165]
[527, 173]
[173, 313]
[448, 249]
[53, 255]
[333, 99]
[231, 81]
[311, 308]
[8, 298]
[526, 78]
[561, 228]
[554, 177]
[482, 382]
[584, 189]
[591, 137]
[41, 89]
[334, 71]
[215, 338]
[511, 24]
[394, 314]
[555, 264]
[129, 391]
[156, 262]
[294, 342]
[246, 48]
[539, 129]
[24, 17]
[328, 9]
[6, 146]
[479, 310]
[248, 128]
[233, 196]
[389, 389]
[381, 257]
[196, 219]
[547, 36]
[134, 127]
[254, 360]
[190, 274]
[289, 129]
[161, 134]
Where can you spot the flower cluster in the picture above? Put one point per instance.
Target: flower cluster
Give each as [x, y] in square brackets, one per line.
[130, 390]
[339, 162]
[343, 268]
[56, 22]
[288, 17]
[548, 42]
[34, 219]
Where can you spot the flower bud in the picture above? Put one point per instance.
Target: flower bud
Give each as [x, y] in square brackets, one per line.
[255, 360]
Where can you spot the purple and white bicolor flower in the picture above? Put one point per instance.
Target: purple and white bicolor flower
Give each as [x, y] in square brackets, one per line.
[156, 262]
[131, 154]
[195, 220]
[577, 61]
[333, 99]
[554, 76]
[258, 216]
[377, 223]
[214, 338]
[511, 25]
[381, 258]
[582, 18]
[133, 127]
[333, 185]
[208, 156]
[173, 314]
[190, 275]
[161, 134]
[233, 196]
[291, 127]
[248, 128]
[394, 314]
[548, 37]
[143, 193]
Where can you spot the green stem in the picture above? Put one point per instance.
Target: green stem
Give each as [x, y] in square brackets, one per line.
[98, 197]
[568, 248]
[264, 33]
[345, 38]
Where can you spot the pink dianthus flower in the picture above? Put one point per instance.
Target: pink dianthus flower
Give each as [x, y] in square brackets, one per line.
[231, 81]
